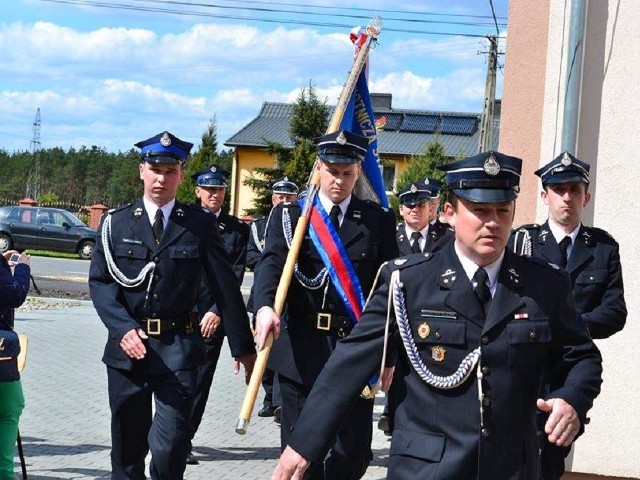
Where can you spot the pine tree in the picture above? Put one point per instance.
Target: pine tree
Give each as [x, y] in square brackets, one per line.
[206, 156]
[420, 167]
[309, 120]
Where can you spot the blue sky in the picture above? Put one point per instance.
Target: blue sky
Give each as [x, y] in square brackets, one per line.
[113, 76]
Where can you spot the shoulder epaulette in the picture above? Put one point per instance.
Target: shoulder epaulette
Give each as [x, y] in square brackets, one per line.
[599, 231]
[545, 264]
[410, 260]
[528, 226]
[117, 209]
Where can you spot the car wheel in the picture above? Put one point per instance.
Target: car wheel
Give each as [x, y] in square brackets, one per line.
[6, 243]
[86, 249]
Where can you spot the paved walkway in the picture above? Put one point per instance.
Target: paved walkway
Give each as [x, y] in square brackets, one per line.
[65, 425]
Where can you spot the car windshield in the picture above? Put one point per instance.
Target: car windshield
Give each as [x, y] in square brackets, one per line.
[73, 220]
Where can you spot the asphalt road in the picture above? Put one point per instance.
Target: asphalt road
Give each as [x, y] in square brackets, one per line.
[67, 278]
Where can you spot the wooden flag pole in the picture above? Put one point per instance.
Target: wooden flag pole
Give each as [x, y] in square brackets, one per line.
[373, 30]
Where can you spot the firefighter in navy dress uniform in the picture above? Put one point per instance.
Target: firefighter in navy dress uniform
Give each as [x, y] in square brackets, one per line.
[417, 209]
[211, 186]
[315, 317]
[590, 255]
[144, 281]
[283, 190]
[479, 331]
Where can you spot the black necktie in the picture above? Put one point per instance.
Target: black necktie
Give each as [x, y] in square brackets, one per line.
[335, 216]
[415, 246]
[482, 289]
[564, 246]
[158, 226]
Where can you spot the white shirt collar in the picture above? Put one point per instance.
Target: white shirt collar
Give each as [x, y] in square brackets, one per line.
[423, 233]
[327, 204]
[559, 234]
[470, 268]
[152, 208]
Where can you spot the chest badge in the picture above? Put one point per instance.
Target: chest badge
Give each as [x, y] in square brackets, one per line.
[437, 353]
[424, 330]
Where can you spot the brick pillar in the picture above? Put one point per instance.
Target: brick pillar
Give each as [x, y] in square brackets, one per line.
[28, 202]
[97, 211]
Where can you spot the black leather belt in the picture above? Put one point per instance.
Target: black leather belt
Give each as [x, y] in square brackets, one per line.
[330, 321]
[155, 326]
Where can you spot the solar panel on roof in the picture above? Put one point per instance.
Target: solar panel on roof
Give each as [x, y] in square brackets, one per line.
[393, 121]
[419, 123]
[459, 125]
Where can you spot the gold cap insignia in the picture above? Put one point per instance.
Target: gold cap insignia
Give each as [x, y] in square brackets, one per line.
[165, 141]
[437, 353]
[424, 330]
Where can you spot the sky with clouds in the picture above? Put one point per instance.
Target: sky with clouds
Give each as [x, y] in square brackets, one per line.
[114, 74]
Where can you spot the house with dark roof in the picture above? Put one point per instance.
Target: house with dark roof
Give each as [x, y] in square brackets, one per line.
[407, 133]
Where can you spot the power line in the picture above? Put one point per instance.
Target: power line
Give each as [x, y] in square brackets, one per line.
[315, 14]
[235, 17]
[378, 10]
[493, 12]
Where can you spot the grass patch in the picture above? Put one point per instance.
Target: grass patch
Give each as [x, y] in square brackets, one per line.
[49, 253]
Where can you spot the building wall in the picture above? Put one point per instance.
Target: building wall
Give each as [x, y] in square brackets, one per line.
[523, 96]
[245, 162]
[609, 139]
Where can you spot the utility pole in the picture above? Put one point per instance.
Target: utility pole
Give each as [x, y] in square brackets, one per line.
[33, 181]
[485, 141]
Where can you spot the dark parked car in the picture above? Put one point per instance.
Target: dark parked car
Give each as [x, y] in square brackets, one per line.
[45, 229]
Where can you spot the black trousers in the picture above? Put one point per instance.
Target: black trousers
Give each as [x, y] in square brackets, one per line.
[204, 380]
[135, 430]
[350, 454]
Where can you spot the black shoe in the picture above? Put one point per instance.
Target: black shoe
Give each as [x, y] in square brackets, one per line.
[383, 424]
[267, 411]
[191, 459]
[277, 415]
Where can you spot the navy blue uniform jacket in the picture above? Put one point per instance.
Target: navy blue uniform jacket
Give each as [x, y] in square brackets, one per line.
[437, 434]
[368, 234]
[596, 275]
[190, 248]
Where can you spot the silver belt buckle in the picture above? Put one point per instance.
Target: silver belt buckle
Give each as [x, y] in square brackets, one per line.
[154, 326]
[324, 321]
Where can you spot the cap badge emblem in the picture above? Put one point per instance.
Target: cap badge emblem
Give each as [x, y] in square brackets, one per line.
[165, 141]
[491, 166]
[566, 159]
[437, 353]
[341, 139]
[414, 189]
[213, 169]
[424, 330]
[426, 181]
[286, 179]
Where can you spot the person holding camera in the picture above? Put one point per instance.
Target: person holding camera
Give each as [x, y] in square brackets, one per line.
[14, 287]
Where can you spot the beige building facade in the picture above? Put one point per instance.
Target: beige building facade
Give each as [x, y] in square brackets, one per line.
[608, 138]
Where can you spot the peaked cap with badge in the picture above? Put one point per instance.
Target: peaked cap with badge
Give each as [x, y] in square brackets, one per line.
[489, 177]
[164, 148]
[212, 176]
[342, 147]
[564, 168]
[284, 186]
[415, 193]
